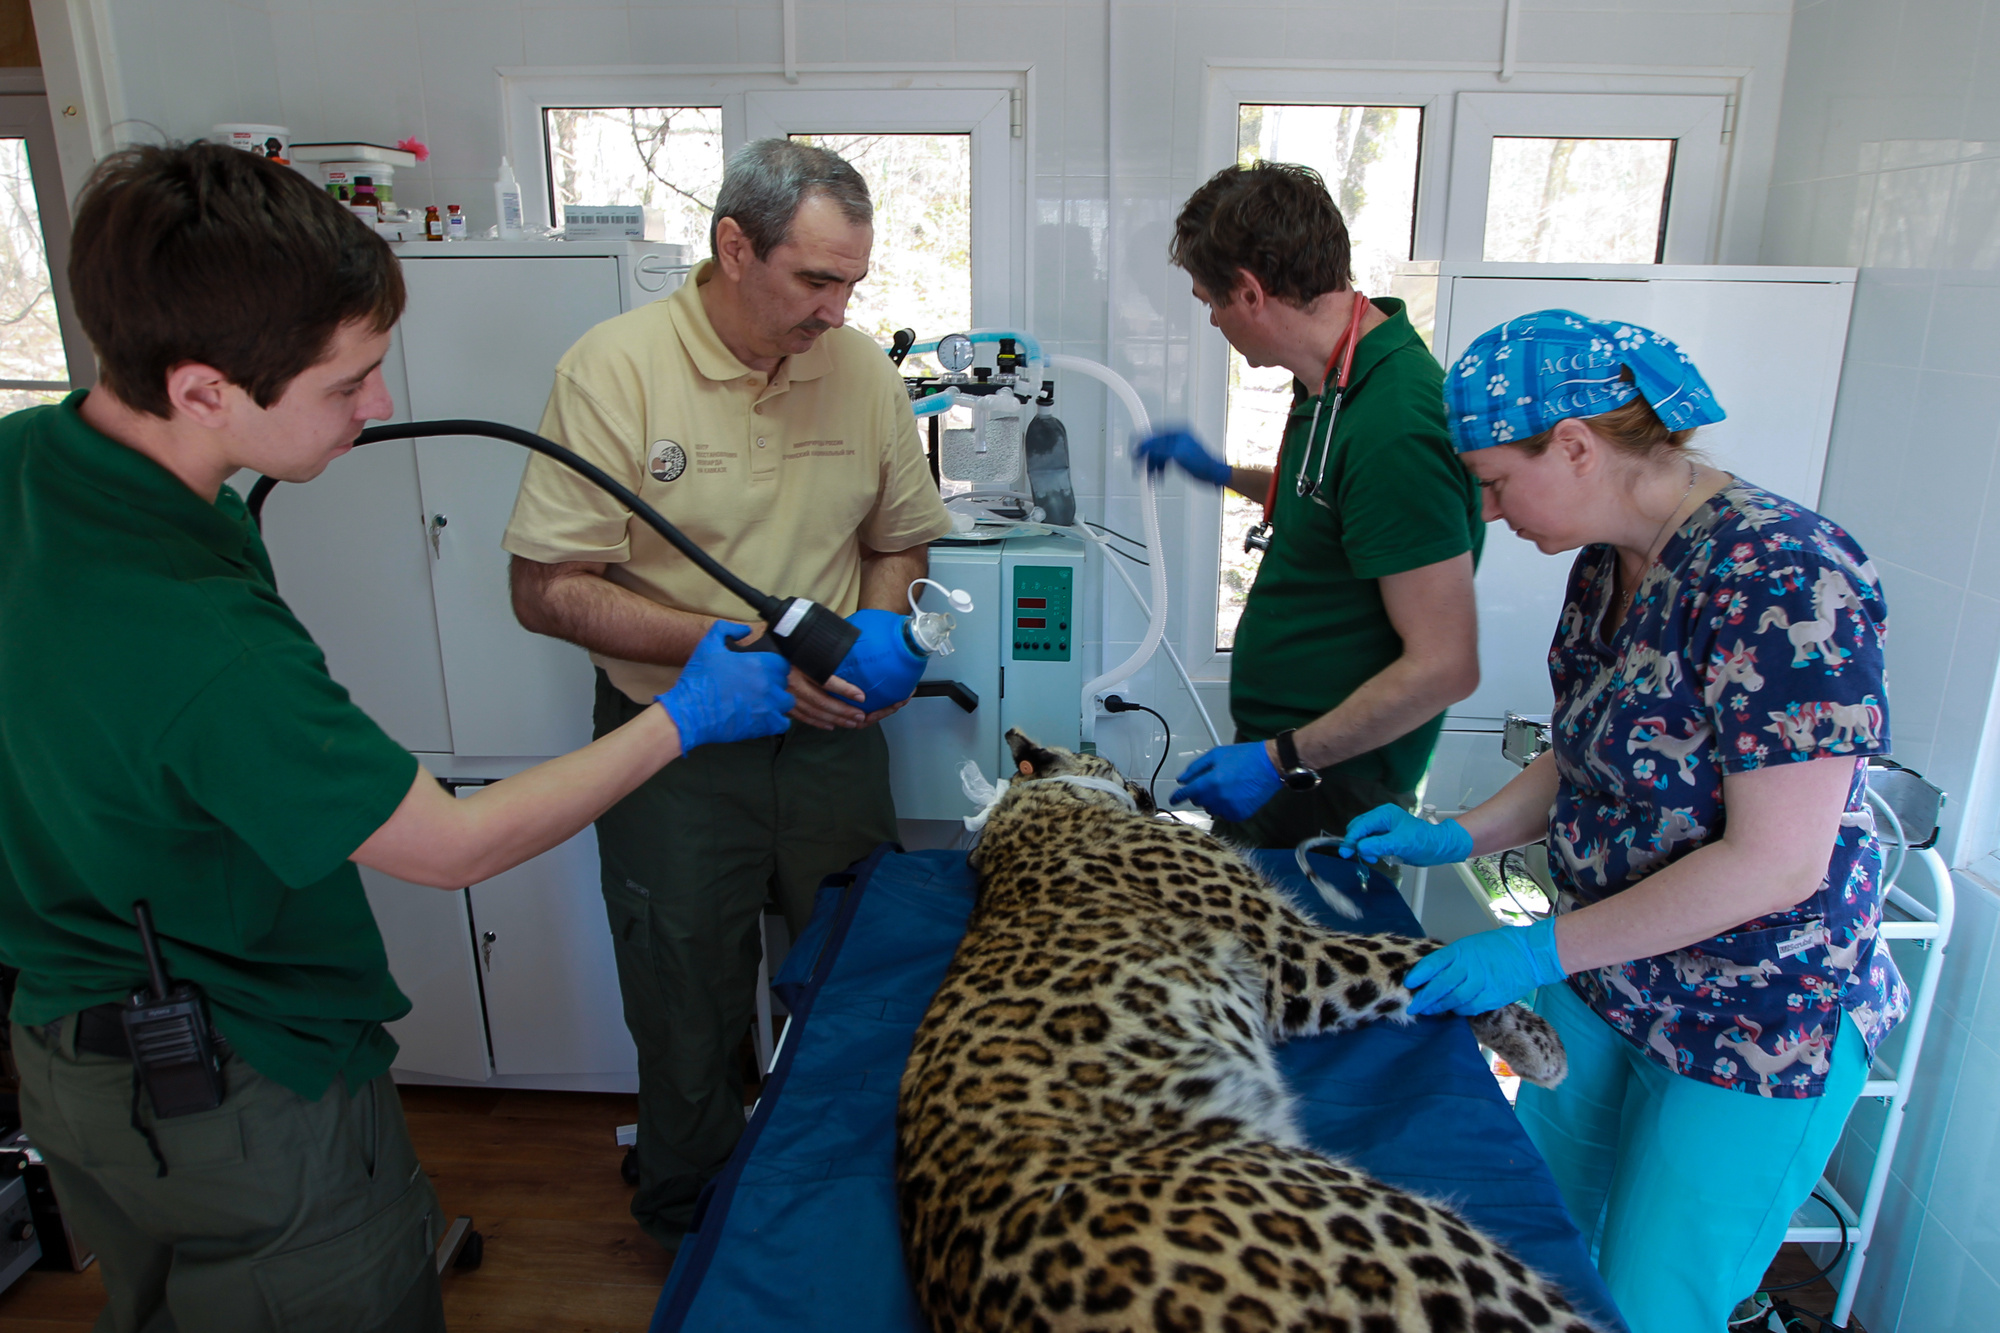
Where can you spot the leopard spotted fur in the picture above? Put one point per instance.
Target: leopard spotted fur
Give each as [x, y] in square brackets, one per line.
[1092, 1132]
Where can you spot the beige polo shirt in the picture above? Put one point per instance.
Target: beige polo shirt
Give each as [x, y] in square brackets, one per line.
[783, 480]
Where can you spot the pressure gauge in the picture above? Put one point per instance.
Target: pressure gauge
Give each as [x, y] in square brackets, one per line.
[954, 352]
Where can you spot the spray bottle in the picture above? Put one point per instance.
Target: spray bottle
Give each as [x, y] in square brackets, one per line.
[507, 202]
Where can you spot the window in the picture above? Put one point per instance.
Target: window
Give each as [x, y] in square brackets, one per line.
[39, 339]
[666, 159]
[1586, 178]
[1578, 201]
[920, 273]
[943, 155]
[1368, 156]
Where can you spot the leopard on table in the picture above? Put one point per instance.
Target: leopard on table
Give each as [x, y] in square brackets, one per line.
[1092, 1133]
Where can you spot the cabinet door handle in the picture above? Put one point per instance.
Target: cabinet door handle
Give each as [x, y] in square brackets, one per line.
[486, 948]
[438, 522]
[953, 690]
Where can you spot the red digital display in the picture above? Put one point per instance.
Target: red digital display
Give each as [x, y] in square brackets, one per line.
[1032, 603]
[1032, 622]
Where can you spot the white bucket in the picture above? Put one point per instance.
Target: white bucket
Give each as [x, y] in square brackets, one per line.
[272, 141]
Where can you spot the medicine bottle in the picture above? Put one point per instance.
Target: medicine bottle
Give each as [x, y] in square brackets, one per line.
[454, 223]
[433, 224]
[364, 203]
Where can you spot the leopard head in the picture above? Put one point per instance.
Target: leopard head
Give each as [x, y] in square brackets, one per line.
[1039, 761]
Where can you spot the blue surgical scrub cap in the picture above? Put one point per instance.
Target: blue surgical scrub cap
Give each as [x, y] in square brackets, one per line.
[1519, 379]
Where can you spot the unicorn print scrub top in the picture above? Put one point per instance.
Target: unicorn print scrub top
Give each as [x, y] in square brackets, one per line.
[1755, 638]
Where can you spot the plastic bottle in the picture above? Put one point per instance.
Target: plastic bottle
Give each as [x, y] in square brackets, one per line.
[507, 202]
[433, 224]
[454, 223]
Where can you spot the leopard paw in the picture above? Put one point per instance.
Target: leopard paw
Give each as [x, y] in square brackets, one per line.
[1526, 1041]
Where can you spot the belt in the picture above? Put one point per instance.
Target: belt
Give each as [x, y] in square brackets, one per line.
[100, 1030]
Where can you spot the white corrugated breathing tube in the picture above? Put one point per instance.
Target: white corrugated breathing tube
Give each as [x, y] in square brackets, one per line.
[1156, 624]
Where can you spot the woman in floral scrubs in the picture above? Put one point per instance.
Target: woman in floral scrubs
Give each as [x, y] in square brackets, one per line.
[1713, 964]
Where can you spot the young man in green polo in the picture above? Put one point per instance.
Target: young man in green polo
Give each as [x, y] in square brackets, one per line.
[1359, 630]
[169, 733]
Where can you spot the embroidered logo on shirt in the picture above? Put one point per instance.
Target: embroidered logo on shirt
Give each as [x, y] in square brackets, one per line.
[819, 449]
[666, 461]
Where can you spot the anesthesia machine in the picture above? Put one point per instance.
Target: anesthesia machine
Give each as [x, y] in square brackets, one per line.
[1019, 550]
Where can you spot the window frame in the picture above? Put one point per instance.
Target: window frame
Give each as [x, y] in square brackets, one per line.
[24, 113]
[979, 100]
[1694, 189]
[1438, 93]
[985, 114]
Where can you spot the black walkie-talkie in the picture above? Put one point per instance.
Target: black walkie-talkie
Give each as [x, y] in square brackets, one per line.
[168, 1031]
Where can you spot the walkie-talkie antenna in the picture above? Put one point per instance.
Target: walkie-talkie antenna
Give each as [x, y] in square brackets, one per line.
[155, 969]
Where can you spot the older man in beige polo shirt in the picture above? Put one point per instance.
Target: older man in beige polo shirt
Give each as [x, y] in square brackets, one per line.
[783, 444]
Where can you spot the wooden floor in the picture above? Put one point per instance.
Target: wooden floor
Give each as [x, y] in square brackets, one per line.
[538, 1172]
[1793, 1265]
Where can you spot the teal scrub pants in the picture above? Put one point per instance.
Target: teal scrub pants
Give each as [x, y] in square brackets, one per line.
[1682, 1190]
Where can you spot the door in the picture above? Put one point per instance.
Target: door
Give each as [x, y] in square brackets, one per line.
[1771, 350]
[552, 1002]
[481, 339]
[352, 562]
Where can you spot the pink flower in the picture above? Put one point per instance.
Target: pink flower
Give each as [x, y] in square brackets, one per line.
[415, 146]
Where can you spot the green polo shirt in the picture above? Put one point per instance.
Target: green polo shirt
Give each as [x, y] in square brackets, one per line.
[168, 731]
[1394, 498]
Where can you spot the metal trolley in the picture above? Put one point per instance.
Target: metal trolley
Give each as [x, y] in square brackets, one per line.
[1909, 807]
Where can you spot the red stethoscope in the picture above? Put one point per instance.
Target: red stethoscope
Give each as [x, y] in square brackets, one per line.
[1259, 537]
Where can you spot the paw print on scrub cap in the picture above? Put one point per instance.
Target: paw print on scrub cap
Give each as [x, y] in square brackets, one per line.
[1520, 378]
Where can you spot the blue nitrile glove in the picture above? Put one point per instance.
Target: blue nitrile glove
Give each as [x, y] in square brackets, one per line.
[1390, 830]
[1177, 446]
[728, 696]
[1230, 781]
[1486, 971]
[881, 663]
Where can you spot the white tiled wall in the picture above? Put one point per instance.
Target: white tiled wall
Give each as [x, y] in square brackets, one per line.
[1889, 158]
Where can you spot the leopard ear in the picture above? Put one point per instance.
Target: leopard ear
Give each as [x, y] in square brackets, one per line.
[1026, 752]
[1142, 798]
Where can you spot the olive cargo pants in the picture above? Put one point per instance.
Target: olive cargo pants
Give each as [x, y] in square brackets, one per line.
[276, 1215]
[688, 861]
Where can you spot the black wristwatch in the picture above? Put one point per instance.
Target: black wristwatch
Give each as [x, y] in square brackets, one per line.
[1291, 770]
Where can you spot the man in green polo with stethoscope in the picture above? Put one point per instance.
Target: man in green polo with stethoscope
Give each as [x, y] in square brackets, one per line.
[1359, 630]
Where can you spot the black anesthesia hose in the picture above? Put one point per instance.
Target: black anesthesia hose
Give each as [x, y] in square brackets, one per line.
[809, 636]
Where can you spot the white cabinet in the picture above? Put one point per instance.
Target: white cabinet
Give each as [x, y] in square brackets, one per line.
[481, 340]
[352, 564]
[539, 922]
[392, 560]
[512, 978]
[428, 935]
